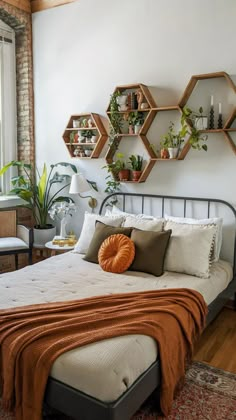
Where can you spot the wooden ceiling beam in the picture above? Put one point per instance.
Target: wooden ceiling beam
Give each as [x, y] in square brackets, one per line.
[38, 5]
[20, 4]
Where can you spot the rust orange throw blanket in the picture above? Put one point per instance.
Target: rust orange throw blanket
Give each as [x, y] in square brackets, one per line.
[32, 337]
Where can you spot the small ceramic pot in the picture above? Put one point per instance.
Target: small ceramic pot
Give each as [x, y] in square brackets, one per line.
[136, 175]
[76, 123]
[173, 152]
[131, 129]
[137, 128]
[122, 102]
[94, 139]
[164, 154]
[123, 175]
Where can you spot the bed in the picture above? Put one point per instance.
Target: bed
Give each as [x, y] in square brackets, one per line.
[122, 388]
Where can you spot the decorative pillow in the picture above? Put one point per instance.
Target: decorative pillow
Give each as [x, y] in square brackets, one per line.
[116, 210]
[155, 225]
[88, 229]
[116, 253]
[190, 248]
[150, 250]
[218, 221]
[101, 233]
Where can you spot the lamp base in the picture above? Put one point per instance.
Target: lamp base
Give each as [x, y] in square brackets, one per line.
[92, 203]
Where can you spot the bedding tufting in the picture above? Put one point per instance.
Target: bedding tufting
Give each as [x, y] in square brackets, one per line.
[121, 360]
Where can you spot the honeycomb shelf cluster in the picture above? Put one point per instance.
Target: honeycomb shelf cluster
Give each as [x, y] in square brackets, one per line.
[140, 101]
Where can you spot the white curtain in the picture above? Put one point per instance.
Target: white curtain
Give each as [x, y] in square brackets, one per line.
[8, 113]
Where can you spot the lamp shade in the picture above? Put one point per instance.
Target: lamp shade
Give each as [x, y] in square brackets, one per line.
[78, 184]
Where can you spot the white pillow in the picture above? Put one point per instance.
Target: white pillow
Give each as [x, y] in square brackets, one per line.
[88, 229]
[190, 248]
[116, 210]
[218, 221]
[155, 225]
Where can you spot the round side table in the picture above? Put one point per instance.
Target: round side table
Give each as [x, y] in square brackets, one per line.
[56, 248]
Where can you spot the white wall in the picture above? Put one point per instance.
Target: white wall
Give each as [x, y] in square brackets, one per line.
[84, 49]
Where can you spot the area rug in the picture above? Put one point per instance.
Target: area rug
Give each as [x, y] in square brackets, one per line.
[208, 394]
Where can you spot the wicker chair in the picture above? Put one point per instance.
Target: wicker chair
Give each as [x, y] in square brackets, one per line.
[14, 239]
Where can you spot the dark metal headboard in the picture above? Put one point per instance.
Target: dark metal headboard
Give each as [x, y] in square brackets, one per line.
[168, 198]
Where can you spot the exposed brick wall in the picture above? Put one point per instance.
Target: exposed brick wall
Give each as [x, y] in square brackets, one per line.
[20, 21]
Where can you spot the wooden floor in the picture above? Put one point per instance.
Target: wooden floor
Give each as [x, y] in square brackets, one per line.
[217, 345]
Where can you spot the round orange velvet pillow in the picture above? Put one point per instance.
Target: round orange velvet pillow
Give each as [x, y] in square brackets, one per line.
[116, 253]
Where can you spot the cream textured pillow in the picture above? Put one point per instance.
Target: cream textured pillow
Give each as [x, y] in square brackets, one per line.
[155, 225]
[190, 248]
[116, 210]
[88, 229]
[218, 221]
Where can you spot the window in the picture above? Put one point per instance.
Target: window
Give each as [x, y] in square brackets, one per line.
[8, 113]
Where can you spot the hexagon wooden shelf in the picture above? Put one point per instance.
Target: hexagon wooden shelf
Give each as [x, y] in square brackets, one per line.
[194, 79]
[85, 136]
[139, 99]
[186, 146]
[188, 92]
[229, 129]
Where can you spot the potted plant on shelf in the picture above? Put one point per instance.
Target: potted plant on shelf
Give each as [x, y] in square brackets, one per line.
[136, 162]
[173, 140]
[88, 151]
[118, 168]
[36, 191]
[135, 120]
[74, 136]
[86, 135]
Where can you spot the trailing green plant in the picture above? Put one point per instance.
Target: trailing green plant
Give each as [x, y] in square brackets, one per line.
[112, 180]
[191, 115]
[197, 139]
[116, 124]
[116, 118]
[35, 189]
[136, 162]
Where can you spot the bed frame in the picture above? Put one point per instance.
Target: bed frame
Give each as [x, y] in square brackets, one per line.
[83, 407]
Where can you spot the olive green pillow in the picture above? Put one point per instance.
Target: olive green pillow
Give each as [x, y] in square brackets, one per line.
[150, 250]
[101, 233]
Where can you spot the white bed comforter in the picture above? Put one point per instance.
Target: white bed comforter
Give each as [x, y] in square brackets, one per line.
[105, 369]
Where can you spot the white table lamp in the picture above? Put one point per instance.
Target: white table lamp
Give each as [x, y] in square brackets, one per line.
[80, 185]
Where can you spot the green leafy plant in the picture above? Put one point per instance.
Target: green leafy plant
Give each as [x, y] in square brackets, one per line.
[116, 124]
[136, 118]
[87, 134]
[173, 138]
[116, 118]
[116, 166]
[197, 139]
[36, 190]
[136, 162]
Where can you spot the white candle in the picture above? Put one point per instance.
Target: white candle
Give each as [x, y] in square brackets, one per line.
[220, 108]
[212, 103]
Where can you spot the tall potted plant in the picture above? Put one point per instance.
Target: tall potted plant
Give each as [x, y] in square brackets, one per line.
[38, 192]
[136, 162]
